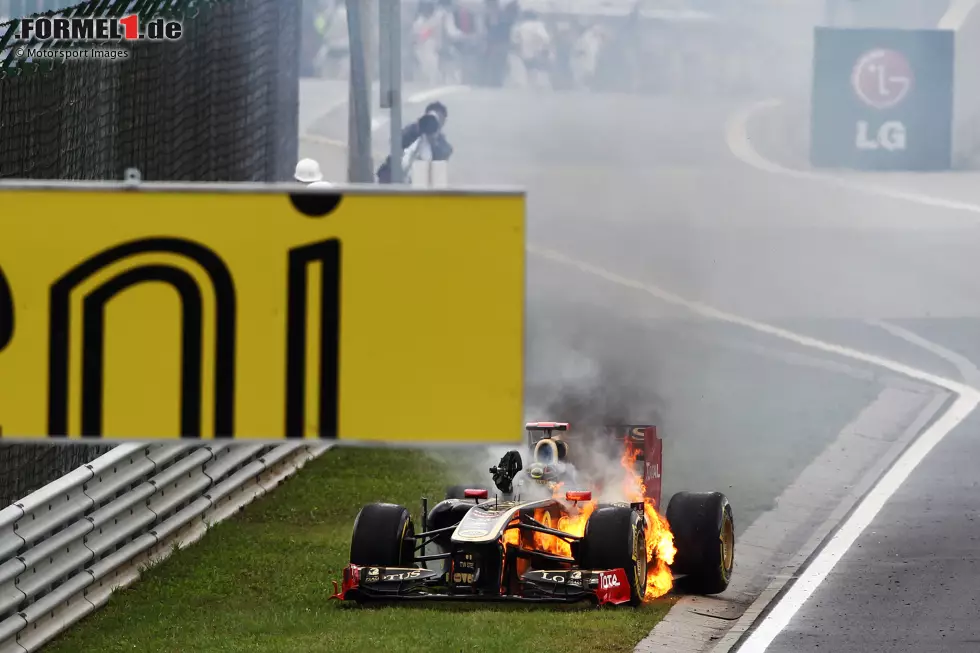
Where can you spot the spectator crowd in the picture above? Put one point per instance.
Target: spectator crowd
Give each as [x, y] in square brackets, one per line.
[485, 43]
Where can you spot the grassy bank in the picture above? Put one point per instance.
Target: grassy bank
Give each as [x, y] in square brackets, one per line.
[261, 582]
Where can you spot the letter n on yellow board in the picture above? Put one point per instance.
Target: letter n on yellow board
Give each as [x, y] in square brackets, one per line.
[252, 314]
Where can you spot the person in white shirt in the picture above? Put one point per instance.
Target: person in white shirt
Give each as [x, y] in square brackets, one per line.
[533, 45]
[454, 42]
[333, 57]
[427, 43]
[436, 39]
[585, 55]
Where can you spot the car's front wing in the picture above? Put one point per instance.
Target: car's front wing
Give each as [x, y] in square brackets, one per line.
[363, 584]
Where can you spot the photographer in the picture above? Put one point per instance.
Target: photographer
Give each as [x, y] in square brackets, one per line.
[430, 125]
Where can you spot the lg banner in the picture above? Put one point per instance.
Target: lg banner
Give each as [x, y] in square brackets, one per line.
[882, 99]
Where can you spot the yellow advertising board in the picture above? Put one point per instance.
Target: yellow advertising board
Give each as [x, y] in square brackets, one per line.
[248, 312]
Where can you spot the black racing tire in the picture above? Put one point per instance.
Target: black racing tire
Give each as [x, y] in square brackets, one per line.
[457, 491]
[704, 536]
[384, 536]
[615, 538]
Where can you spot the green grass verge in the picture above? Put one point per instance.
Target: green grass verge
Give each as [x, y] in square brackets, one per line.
[260, 582]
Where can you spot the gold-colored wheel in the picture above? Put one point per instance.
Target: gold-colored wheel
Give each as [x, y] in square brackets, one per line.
[727, 544]
[640, 554]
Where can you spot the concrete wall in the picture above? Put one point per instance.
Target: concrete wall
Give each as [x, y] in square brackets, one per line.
[963, 17]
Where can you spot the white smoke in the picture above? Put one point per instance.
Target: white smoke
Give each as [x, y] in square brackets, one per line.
[595, 464]
[583, 372]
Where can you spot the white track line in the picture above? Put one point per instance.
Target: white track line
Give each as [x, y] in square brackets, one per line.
[853, 526]
[967, 400]
[761, 327]
[737, 139]
[964, 365]
[736, 136]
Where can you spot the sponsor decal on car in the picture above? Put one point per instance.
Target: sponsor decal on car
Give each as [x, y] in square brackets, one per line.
[402, 575]
[553, 577]
[484, 515]
[608, 580]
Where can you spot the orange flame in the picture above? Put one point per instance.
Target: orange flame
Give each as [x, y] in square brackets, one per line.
[660, 541]
[512, 537]
[572, 523]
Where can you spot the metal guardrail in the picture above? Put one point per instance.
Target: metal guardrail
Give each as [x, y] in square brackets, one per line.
[65, 548]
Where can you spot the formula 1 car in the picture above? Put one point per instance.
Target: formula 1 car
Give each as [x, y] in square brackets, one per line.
[494, 548]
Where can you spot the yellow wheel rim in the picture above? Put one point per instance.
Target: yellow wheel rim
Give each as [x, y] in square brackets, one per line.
[727, 544]
[639, 542]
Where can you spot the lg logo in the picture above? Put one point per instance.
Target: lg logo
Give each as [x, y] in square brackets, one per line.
[891, 136]
[882, 78]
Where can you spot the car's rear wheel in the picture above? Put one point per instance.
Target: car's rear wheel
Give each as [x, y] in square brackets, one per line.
[384, 536]
[704, 534]
[615, 538]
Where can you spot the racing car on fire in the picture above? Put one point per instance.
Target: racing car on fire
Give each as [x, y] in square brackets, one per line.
[560, 546]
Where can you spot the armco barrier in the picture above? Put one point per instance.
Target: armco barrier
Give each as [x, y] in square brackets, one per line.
[65, 548]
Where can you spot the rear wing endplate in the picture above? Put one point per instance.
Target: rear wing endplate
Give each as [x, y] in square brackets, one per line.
[645, 441]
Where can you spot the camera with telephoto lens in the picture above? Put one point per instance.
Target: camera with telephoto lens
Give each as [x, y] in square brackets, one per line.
[506, 470]
[429, 124]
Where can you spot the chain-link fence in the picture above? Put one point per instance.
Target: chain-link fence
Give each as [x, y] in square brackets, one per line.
[25, 468]
[220, 104]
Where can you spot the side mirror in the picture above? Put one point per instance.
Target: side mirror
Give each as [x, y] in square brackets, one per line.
[578, 496]
[476, 494]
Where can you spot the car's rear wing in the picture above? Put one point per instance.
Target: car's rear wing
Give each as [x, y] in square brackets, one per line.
[639, 439]
[643, 440]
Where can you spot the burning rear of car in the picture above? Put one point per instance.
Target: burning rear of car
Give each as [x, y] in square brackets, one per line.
[551, 536]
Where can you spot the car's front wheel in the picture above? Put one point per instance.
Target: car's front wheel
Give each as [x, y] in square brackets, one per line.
[615, 538]
[384, 536]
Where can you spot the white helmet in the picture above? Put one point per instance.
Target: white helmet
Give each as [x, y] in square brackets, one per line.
[320, 184]
[308, 170]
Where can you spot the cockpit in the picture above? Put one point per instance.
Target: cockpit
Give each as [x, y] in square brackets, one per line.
[546, 442]
[550, 451]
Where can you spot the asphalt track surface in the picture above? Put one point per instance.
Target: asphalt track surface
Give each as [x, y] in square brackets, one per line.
[909, 583]
[648, 189]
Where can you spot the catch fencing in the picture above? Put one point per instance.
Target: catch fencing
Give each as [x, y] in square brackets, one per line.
[24, 468]
[220, 104]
